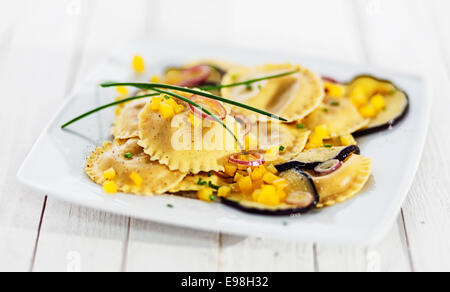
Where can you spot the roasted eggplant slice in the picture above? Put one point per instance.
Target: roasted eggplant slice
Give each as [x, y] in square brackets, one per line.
[302, 196]
[310, 159]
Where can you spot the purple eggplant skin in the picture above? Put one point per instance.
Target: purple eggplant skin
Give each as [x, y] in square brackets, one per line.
[392, 123]
[343, 155]
[278, 213]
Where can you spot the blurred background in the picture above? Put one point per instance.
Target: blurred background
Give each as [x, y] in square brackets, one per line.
[47, 46]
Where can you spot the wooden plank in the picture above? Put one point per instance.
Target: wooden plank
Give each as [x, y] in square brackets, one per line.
[89, 240]
[20, 208]
[415, 37]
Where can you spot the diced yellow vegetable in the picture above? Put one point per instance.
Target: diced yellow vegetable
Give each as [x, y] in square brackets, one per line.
[139, 64]
[110, 187]
[258, 173]
[230, 169]
[246, 185]
[368, 111]
[358, 97]
[378, 102]
[109, 174]
[136, 178]
[322, 131]
[282, 195]
[257, 184]
[155, 79]
[256, 194]
[224, 192]
[334, 90]
[179, 109]
[315, 141]
[280, 184]
[166, 110]
[269, 196]
[122, 90]
[348, 140]
[269, 178]
[156, 102]
[238, 177]
[205, 194]
[171, 102]
[272, 169]
[251, 142]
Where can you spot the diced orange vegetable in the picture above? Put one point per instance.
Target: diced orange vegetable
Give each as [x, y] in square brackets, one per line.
[166, 110]
[156, 102]
[122, 90]
[272, 169]
[282, 195]
[230, 169]
[136, 178]
[155, 79]
[246, 185]
[110, 187]
[205, 194]
[269, 178]
[348, 140]
[109, 174]
[224, 192]
[258, 173]
[269, 196]
[256, 194]
[322, 131]
[378, 102]
[334, 90]
[368, 111]
[238, 177]
[358, 97]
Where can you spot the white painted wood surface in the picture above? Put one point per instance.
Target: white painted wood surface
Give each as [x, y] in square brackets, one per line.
[47, 46]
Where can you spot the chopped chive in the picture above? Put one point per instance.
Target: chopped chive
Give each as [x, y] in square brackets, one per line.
[105, 107]
[325, 109]
[335, 103]
[201, 182]
[128, 155]
[282, 148]
[212, 198]
[213, 186]
[210, 174]
[249, 87]
[301, 126]
[166, 97]
[328, 146]
[169, 206]
[260, 87]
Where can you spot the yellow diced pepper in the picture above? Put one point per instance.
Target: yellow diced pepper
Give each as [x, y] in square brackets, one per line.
[348, 140]
[378, 102]
[334, 90]
[136, 178]
[257, 184]
[230, 169]
[368, 111]
[358, 97]
[272, 169]
[269, 196]
[269, 178]
[224, 192]
[258, 173]
[109, 174]
[246, 185]
[322, 131]
[156, 102]
[166, 110]
[171, 102]
[238, 177]
[315, 141]
[138, 64]
[179, 109]
[122, 90]
[206, 195]
[155, 79]
[280, 184]
[256, 194]
[282, 195]
[110, 187]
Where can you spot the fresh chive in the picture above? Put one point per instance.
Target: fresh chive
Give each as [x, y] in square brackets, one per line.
[282, 148]
[210, 174]
[328, 146]
[301, 126]
[213, 186]
[169, 206]
[128, 155]
[203, 109]
[201, 182]
[325, 110]
[212, 198]
[106, 106]
[153, 86]
[249, 87]
[335, 103]
[166, 97]
[248, 82]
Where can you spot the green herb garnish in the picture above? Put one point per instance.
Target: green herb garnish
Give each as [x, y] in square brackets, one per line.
[169, 206]
[335, 103]
[201, 182]
[105, 107]
[213, 186]
[166, 97]
[282, 148]
[248, 82]
[212, 198]
[328, 146]
[154, 86]
[325, 110]
[128, 155]
[301, 126]
[210, 174]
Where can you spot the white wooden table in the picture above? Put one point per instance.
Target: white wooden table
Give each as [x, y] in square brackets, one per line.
[47, 46]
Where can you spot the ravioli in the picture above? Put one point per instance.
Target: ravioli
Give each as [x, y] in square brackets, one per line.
[180, 146]
[156, 178]
[197, 182]
[293, 97]
[126, 125]
[339, 115]
[344, 183]
[319, 154]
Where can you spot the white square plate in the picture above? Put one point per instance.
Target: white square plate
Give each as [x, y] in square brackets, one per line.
[55, 165]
